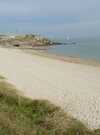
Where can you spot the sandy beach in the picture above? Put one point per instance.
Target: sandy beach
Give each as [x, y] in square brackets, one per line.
[74, 87]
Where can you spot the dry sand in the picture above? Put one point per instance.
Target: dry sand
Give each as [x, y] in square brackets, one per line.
[74, 87]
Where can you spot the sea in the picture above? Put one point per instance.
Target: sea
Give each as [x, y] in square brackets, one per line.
[87, 48]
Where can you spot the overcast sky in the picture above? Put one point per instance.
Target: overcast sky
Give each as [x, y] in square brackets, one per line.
[75, 18]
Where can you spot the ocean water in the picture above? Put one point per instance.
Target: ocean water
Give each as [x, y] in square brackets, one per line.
[88, 49]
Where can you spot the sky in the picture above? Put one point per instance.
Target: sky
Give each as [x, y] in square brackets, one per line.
[55, 18]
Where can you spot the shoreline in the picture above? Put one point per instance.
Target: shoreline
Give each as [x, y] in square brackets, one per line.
[69, 59]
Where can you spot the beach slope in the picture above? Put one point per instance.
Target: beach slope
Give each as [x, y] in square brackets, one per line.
[74, 87]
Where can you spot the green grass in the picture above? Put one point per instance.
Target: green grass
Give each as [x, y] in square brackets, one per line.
[2, 78]
[23, 116]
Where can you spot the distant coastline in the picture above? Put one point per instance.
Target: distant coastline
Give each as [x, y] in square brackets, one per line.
[73, 51]
[25, 41]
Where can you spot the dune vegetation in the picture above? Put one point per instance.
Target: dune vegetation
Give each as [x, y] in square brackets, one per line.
[22, 116]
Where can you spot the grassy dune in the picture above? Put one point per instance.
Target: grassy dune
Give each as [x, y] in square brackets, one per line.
[22, 116]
